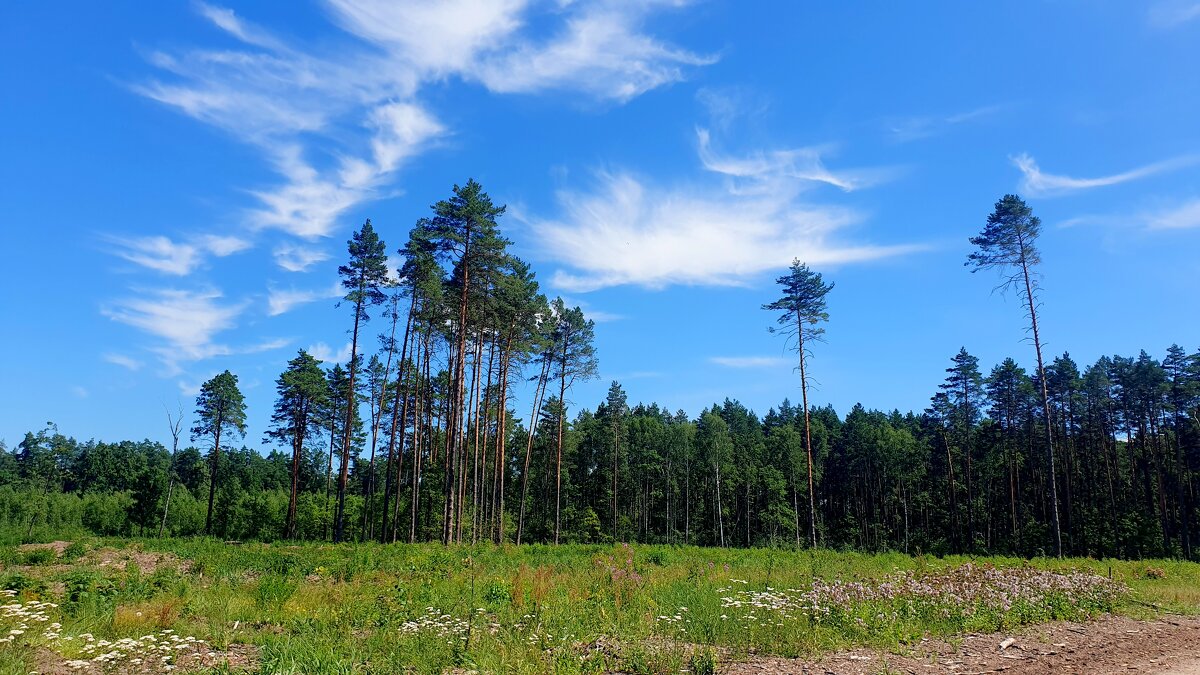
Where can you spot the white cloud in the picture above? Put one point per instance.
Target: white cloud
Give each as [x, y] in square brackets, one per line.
[601, 316]
[1034, 182]
[268, 345]
[165, 255]
[1173, 13]
[794, 164]
[915, 128]
[184, 321]
[599, 51]
[1183, 216]
[123, 361]
[336, 122]
[222, 246]
[228, 21]
[159, 253]
[280, 301]
[323, 352]
[590, 313]
[437, 37]
[749, 361]
[625, 231]
[79, 392]
[310, 202]
[296, 258]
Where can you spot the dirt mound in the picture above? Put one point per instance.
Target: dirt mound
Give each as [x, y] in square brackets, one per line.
[57, 546]
[1170, 645]
[147, 562]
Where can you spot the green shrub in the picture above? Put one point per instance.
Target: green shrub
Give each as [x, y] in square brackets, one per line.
[15, 581]
[38, 556]
[74, 551]
[85, 586]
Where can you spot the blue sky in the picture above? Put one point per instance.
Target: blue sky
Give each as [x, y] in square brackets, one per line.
[178, 180]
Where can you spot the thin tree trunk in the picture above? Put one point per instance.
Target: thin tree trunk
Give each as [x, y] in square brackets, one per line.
[175, 425]
[539, 392]
[402, 392]
[212, 484]
[720, 512]
[1037, 345]
[562, 414]
[339, 527]
[501, 435]
[297, 449]
[812, 503]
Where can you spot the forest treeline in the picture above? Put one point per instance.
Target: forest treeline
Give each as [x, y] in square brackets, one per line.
[417, 437]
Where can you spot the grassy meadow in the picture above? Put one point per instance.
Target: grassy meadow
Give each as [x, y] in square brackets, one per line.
[109, 605]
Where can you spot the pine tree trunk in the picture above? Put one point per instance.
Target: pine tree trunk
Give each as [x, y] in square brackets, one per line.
[812, 501]
[539, 392]
[297, 449]
[402, 391]
[562, 414]
[339, 527]
[1037, 345]
[212, 484]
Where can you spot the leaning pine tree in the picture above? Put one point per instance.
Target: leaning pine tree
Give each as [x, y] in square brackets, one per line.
[802, 307]
[1007, 243]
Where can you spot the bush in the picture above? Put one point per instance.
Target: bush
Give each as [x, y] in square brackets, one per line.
[74, 551]
[38, 556]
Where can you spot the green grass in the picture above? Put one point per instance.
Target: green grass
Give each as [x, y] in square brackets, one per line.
[362, 608]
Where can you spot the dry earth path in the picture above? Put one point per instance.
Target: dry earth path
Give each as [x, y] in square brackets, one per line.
[1169, 645]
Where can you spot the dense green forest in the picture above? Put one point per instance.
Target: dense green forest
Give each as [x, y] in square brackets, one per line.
[418, 436]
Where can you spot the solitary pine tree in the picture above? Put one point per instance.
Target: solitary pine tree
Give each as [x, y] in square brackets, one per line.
[220, 408]
[302, 395]
[363, 278]
[1008, 243]
[801, 308]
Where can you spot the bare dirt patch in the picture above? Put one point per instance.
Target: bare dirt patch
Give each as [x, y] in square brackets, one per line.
[57, 546]
[1169, 645]
[147, 562]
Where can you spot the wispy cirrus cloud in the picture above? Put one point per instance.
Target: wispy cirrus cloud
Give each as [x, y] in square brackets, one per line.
[281, 301]
[185, 323]
[626, 231]
[593, 314]
[749, 361]
[127, 362]
[1180, 217]
[179, 258]
[338, 122]
[294, 257]
[905, 129]
[185, 320]
[1168, 14]
[769, 167]
[323, 352]
[1035, 182]
[362, 97]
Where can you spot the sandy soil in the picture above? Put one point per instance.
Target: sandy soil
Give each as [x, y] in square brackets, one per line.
[1169, 646]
